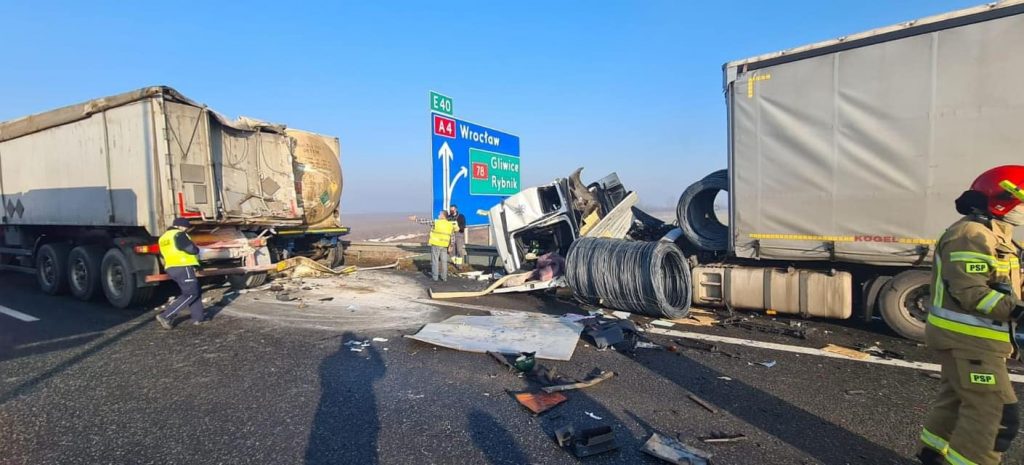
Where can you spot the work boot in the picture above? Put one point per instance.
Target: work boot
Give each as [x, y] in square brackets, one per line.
[929, 456]
[164, 322]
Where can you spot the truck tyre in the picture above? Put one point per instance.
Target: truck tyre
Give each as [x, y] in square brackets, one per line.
[696, 215]
[118, 281]
[84, 271]
[247, 280]
[52, 268]
[904, 303]
[336, 256]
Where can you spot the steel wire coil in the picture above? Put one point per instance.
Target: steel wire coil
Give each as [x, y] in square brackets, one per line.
[646, 278]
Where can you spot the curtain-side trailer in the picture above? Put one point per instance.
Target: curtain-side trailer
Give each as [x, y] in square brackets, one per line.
[845, 158]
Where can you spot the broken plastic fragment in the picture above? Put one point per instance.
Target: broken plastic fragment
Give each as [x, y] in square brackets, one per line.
[591, 415]
[767, 363]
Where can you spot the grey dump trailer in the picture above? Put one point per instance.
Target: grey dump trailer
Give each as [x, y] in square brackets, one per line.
[87, 189]
[845, 158]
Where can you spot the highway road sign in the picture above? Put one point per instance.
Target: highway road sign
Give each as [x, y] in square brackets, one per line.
[440, 103]
[459, 146]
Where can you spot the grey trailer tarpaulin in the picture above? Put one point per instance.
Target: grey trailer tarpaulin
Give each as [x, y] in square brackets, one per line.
[856, 153]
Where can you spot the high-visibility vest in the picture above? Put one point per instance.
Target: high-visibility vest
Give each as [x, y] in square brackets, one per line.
[172, 256]
[441, 233]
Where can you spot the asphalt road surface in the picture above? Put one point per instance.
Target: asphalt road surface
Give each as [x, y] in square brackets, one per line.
[268, 381]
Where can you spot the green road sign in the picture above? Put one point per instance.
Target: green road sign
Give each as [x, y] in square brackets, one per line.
[440, 103]
[493, 173]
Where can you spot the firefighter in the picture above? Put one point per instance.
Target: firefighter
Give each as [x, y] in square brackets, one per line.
[180, 262]
[976, 302]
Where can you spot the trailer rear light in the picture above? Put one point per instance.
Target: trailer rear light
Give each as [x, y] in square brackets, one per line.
[152, 249]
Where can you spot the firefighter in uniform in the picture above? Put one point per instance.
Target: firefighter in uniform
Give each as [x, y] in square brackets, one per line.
[976, 302]
[180, 263]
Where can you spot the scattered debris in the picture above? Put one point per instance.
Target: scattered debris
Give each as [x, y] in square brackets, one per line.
[702, 403]
[767, 363]
[285, 297]
[525, 362]
[591, 415]
[647, 345]
[621, 315]
[604, 376]
[621, 334]
[380, 339]
[673, 451]
[846, 352]
[302, 267]
[356, 349]
[880, 352]
[725, 378]
[663, 323]
[540, 402]
[934, 376]
[588, 442]
[488, 290]
[695, 319]
[276, 288]
[326, 299]
[799, 332]
[720, 437]
[856, 392]
[550, 337]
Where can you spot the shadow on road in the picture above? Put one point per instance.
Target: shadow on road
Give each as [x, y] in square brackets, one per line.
[494, 440]
[346, 423]
[827, 442]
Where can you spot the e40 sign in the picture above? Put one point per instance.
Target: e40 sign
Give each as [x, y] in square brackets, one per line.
[440, 103]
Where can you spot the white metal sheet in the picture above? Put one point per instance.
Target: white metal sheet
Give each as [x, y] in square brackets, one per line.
[551, 337]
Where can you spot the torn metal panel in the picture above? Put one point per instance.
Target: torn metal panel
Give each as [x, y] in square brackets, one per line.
[617, 223]
[552, 338]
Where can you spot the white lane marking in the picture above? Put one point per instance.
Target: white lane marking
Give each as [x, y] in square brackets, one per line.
[16, 314]
[806, 351]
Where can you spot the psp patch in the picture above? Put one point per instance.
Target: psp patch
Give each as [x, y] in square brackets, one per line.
[977, 267]
[983, 378]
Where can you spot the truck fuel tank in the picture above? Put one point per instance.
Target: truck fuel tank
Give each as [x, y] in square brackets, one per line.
[790, 291]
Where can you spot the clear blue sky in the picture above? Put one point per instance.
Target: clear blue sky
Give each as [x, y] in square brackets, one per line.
[632, 87]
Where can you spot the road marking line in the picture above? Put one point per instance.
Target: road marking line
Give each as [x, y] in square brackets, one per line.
[16, 314]
[806, 351]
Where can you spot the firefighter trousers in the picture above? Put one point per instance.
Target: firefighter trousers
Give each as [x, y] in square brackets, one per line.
[974, 418]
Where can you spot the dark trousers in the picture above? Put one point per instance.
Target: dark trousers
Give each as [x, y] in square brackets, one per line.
[191, 297]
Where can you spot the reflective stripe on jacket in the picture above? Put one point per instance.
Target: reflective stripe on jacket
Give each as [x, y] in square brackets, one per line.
[441, 233]
[972, 258]
[173, 257]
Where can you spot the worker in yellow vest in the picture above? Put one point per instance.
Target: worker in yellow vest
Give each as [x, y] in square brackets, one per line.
[976, 304]
[180, 256]
[440, 239]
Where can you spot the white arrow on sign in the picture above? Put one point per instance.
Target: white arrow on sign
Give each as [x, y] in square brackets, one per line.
[445, 154]
[451, 188]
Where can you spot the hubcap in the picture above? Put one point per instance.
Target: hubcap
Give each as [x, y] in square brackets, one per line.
[916, 302]
[79, 274]
[115, 280]
[47, 271]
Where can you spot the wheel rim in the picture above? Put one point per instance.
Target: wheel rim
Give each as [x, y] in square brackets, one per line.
[916, 302]
[47, 270]
[115, 278]
[79, 274]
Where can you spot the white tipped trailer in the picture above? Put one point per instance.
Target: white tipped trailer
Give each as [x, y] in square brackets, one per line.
[845, 158]
[86, 190]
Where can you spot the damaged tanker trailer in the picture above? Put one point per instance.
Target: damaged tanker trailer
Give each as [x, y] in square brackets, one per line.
[845, 158]
[87, 190]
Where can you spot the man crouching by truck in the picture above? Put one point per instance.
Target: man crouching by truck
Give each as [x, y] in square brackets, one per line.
[180, 262]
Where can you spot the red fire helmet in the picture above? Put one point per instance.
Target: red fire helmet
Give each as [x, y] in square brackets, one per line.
[1003, 186]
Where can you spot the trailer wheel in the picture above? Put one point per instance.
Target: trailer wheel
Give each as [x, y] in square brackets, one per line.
[336, 256]
[118, 282]
[84, 271]
[52, 268]
[247, 280]
[904, 303]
